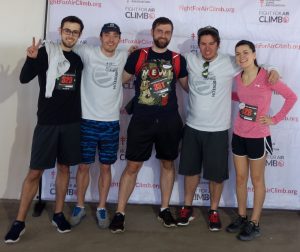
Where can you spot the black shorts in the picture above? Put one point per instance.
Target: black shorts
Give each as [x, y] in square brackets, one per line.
[53, 143]
[207, 149]
[164, 132]
[253, 148]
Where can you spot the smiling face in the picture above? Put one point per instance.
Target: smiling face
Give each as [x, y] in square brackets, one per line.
[244, 56]
[70, 33]
[208, 47]
[109, 41]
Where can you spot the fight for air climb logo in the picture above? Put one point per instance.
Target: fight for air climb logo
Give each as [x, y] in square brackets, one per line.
[271, 11]
[139, 9]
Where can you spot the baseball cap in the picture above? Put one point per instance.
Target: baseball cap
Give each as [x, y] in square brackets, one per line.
[208, 30]
[110, 27]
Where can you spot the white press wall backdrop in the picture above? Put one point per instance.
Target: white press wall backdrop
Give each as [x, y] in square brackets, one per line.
[271, 24]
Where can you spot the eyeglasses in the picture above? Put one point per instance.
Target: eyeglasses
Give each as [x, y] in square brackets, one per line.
[74, 33]
[205, 69]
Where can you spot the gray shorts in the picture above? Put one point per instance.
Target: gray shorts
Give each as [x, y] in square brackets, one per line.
[53, 143]
[207, 149]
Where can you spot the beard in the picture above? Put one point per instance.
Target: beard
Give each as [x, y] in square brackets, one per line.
[161, 43]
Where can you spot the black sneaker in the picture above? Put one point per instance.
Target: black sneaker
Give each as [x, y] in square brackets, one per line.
[185, 216]
[16, 230]
[117, 223]
[59, 221]
[214, 222]
[166, 218]
[237, 225]
[249, 232]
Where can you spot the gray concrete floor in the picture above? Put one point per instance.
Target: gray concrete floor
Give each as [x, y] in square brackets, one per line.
[280, 232]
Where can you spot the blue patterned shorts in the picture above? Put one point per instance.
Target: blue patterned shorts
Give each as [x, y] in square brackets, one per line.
[101, 135]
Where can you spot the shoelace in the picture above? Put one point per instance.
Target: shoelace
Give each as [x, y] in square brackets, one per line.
[167, 216]
[118, 217]
[76, 211]
[239, 220]
[61, 220]
[102, 213]
[249, 226]
[214, 217]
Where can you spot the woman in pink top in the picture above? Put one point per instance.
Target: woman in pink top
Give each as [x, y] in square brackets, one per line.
[251, 135]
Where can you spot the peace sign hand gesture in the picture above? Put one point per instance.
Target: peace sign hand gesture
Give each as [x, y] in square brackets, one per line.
[32, 51]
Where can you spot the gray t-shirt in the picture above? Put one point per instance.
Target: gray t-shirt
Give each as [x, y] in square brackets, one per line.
[101, 86]
[209, 101]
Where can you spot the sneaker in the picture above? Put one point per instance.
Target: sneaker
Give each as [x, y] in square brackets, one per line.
[214, 222]
[16, 230]
[59, 221]
[249, 232]
[78, 214]
[237, 225]
[117, 223]
[185, 216]
[102, 217]
[166, 218]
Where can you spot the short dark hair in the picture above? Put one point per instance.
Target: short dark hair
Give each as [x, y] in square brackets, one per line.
[162, 20]
[248, 43]
[72, 19]
[209, 30]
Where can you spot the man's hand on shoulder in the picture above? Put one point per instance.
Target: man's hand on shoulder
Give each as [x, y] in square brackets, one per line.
[132, 48]
[273, 76]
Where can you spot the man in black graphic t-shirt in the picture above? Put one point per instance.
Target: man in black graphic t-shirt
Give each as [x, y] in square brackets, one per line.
[155, 118]
[56, 137]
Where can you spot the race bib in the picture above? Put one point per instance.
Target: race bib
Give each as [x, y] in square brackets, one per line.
[248, 112]
[66, 82]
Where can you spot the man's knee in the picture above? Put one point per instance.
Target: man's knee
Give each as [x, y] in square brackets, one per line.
[34, 175]
[132, 168]
[167, 165]
[63, 169]
[83, 168]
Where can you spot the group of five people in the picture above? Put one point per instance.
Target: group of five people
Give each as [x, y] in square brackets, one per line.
[89, 78]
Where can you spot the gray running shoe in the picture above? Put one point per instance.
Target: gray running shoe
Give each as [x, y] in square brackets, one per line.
[77, 215]
[102, 218]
